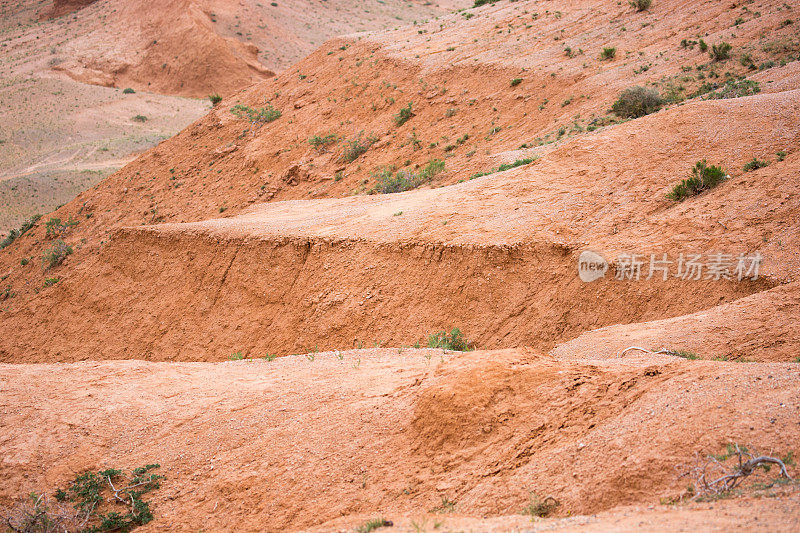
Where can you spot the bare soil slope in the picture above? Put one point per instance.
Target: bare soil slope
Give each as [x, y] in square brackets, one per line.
[296, 443]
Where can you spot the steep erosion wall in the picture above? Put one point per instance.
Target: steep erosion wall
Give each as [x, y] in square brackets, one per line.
[190, 296]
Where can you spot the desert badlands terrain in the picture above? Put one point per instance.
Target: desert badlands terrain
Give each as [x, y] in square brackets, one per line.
[519, 266]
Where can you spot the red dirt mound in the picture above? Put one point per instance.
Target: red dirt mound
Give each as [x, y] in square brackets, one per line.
[62, 7]
[168, 47]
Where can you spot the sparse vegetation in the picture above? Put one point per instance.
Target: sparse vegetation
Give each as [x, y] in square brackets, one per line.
[754, 164]
[236, 356]
[54, 227]
[14, 234]
[454, 341]
[637, 102]
[404, 115]
[262, 115]
[735, 89]
[358, 146]
[720, 52]
[56, 254]
[515, 164]
[540, 508]
[128, 90]
[215, 99]
[372, 525]
[641, 5]
[139, 118]
[713, 479]
[78, 508]
[390, 181]
[322, 142]
[703, 177]
[516, 81]
[608, 53]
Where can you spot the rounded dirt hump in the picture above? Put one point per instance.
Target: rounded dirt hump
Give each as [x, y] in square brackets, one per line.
[63, 7]
[145, 46]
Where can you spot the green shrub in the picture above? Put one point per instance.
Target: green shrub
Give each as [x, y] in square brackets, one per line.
[641, 5]
[358, 146]
[215, 99]
[703, 45]
[608, 53]
[404, 115]
[236, 356]
[684, 354]
[515, 164]
[128, 91]
[321, 142]
[455, 341]
[392, 182]
[720, 52]
[139, 118]
[483, 2]
[754, 164]
[703, 177]
[14, 234]
[371, 525]
[55, 228]
[736, 89]
[56, 254]
[260, 115]
[516, 81]
[636, 102]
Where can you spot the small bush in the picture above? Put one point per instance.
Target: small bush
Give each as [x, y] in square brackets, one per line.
[390, 182]
[55, 228]
[781, 155]
[754, 164]
[321, 142]
[540, 508]
[56, 254]
[515, 164]
[608, 53]
[404, 115]
[455, 341]
[721, 51]
[641, 5]
[516, 81]
[703, 45]
[637, 102]
[736, 89]
[236, 356]
[139, 118]
[703, 177]
[215, 99]
[371, 525]
[358, 146]
[128, 91]
[260, 115]
[483, 2]
[14, 234]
